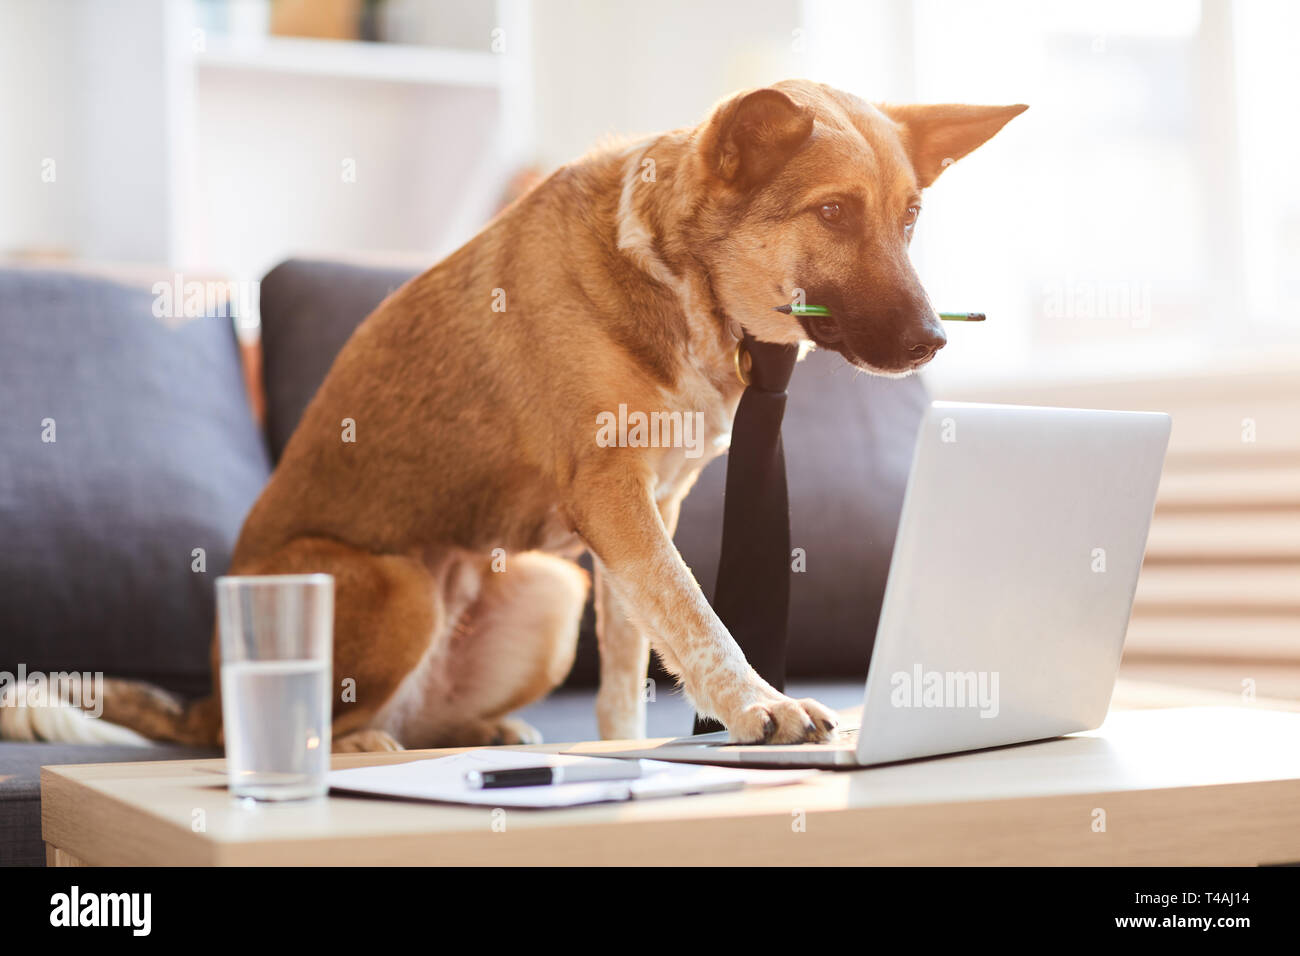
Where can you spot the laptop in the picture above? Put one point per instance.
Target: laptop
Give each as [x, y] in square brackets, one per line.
[1017, 556]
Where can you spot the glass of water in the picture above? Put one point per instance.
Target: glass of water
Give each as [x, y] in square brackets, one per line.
[277, 637]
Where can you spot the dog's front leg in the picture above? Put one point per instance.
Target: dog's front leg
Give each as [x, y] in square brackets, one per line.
[624, 652]
[615, 513]
[624, 660]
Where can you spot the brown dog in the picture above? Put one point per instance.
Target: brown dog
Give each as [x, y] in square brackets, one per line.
[478, 388]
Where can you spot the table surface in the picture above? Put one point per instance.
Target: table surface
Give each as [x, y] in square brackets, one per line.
[1203, 785]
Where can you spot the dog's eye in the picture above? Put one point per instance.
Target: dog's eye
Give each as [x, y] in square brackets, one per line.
[831, 212]
[912, 213]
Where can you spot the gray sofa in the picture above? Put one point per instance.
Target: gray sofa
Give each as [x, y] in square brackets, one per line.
[129, 456]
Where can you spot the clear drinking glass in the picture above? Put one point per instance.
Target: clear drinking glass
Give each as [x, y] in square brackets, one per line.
[277, 646]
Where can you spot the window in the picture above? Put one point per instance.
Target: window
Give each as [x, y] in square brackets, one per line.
[1141, 216]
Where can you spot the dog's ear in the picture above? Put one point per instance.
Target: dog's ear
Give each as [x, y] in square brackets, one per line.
[750, 136]
[936, 136]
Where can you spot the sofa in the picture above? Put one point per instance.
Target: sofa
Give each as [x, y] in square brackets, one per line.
[130, 453]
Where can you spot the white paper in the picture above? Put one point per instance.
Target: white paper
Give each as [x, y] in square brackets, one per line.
[443, 779]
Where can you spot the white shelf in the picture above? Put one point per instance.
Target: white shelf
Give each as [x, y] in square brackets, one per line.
[353, 60]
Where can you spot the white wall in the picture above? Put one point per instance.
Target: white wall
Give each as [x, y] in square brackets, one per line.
[619, 68]
[90, 86]
[34, 125]
[270, 155]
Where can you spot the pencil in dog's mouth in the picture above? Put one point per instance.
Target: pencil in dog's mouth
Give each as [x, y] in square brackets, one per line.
[817, 322]
[821, 312]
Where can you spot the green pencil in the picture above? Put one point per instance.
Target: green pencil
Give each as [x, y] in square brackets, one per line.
[821, 310]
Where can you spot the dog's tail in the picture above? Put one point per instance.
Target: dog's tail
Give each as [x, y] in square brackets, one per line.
[122, 712]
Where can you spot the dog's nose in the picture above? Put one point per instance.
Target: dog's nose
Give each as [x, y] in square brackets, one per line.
[931, 339]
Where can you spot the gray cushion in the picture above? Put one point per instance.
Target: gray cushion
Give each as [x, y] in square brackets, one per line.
[20, 788]
[156, 454]
[848, 437]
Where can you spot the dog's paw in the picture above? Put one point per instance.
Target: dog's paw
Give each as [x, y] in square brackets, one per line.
[512, 730]
[366, 741]
[783, 720]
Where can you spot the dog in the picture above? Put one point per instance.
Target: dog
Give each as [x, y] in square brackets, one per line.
[451, 522]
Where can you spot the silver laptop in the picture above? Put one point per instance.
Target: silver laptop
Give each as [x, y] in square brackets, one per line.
[1014, 568]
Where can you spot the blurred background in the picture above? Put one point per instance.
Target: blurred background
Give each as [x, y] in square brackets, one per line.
[1134, 237]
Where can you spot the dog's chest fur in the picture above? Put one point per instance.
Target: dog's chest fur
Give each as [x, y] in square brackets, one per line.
[678, 467]
[702, 385]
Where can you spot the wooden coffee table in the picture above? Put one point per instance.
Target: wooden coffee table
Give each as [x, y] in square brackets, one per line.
[1207, 785]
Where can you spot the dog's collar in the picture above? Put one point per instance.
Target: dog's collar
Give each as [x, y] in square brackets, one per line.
[741, 358]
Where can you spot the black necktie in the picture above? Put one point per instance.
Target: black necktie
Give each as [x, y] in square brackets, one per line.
[752, 594]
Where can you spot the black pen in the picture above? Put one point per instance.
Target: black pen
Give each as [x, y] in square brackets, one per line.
[548, 776]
